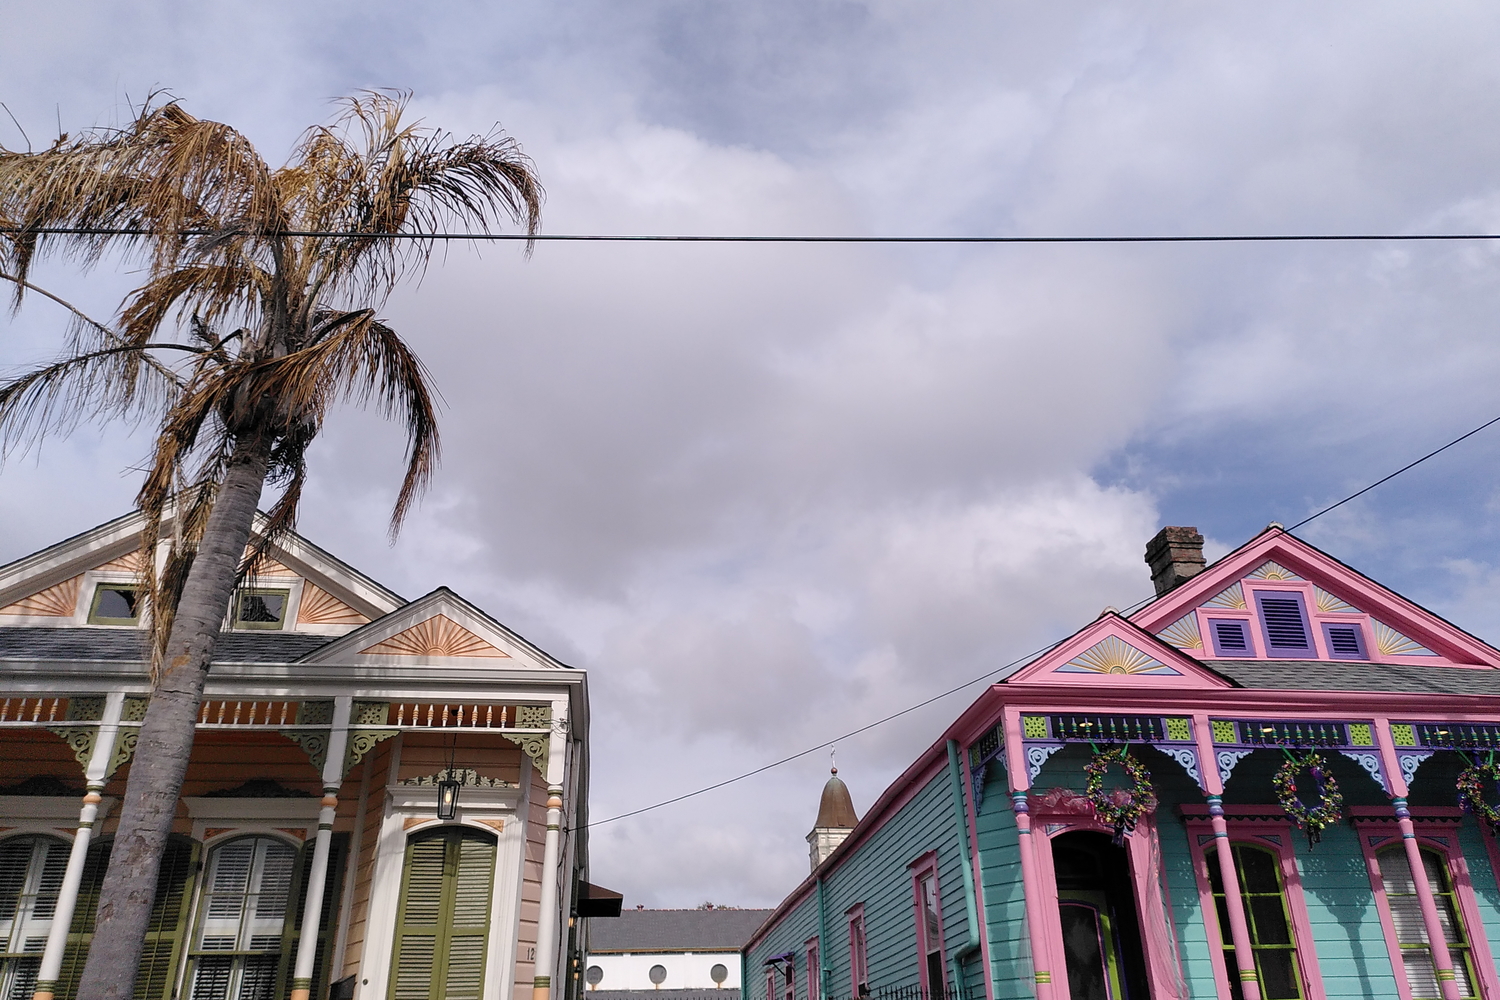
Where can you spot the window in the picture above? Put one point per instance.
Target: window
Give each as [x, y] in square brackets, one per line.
[1345, 641]
[1411, 933]
[1270, 925]
[789, 981]
[257, 607]
[812, 969]
[770, 984]
[1283, 623]
[31, 873]
[237, 949]
[1231, 637]
[859, 970]
[115, 604]
[930, 932]
[443, 919]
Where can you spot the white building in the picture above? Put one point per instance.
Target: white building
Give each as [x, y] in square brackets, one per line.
[669, 950]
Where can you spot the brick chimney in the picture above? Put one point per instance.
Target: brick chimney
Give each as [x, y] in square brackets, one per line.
[1175, 556]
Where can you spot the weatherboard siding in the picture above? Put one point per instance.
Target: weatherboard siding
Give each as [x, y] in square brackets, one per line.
[1181, 883]
[877, 875]
[1002, 891]
[1352, 958]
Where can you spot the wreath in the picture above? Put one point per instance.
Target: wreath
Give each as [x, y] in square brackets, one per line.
[1313, 819]
[1471, 788]
[1139, 798]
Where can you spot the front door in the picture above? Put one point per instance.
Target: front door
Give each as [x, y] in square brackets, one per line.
[1089, 945]
[1096, 907]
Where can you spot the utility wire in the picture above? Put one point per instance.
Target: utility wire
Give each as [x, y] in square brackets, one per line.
[1393, 475]
[1021, 659]
[732, 238]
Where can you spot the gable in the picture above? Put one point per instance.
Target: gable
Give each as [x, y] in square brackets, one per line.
[1114, 652]
[438, 627]
[310, 591]
[1278, 598]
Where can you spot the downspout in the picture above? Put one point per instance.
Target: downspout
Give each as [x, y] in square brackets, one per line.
[823, 992]
[745, 973]
[971, 903]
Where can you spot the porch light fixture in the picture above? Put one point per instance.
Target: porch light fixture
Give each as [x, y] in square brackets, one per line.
[447, 799]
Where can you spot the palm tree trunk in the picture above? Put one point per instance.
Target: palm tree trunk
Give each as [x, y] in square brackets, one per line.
[166, 737]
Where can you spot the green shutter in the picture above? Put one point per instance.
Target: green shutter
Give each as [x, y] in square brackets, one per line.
[31, 873]
[82, 931]
[338, 852]
[443, 921]
[167, 928]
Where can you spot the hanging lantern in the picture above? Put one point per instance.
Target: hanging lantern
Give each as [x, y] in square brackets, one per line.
[447, 799]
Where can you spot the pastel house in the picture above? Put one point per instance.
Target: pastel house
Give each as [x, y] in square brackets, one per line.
[379, 802]
[1274, 781]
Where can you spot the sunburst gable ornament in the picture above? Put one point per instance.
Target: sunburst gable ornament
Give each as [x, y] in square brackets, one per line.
[437, 636]
[1115, 656]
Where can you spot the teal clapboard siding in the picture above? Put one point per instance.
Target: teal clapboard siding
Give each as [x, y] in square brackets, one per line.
[1002, 891]
[877, 876]
[1187, 909]
[1471, 838]
[1352, 957]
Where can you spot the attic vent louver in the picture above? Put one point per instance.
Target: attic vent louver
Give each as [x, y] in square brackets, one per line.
[1285, 624]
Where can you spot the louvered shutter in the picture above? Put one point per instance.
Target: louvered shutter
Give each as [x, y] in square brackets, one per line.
[338, 851]
[82, 931]
[443, 919]
[1284, 624]
[31, 872]
[166, 929]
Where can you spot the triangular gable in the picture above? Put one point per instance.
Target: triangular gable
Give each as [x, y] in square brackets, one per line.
[1398, 630]
[44, 588]
[441, 627]
[1113, 652]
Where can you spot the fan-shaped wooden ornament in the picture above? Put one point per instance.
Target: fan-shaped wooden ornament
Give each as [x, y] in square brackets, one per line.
[437, 636]
[57, 601]
[319, 607]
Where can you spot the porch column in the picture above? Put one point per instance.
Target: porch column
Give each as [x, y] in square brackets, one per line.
[317, 879]
[548, 919]
[1031, 883]
[1442, 961]
[1239, 931]
[67, 896]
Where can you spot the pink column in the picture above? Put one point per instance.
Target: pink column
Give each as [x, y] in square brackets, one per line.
[1442, 961]
[1239, 931]
[1032, 885]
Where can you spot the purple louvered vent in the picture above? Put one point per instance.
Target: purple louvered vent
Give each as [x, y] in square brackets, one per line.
[1345, 642]
[1284, 624]
[1231, 636]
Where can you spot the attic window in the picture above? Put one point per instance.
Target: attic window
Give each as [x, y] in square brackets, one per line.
[259, 608]
[115, 604]
[1231, 636]
[1345, 642]
[1283, 623]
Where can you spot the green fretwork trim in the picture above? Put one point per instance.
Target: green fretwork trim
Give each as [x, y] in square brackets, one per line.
[1034, 727]
[80, 741]
[533, 716]
[1224, 731]
[532, 745]
[124, 750]
[315, 713]
[1403, 735]
[370, 713]
[134, 709]
[314, 743]
[85, 709]
[361, 742]
[1179, 729]
[1361, 734]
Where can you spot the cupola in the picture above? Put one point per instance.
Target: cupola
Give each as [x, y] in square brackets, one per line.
[836, 817]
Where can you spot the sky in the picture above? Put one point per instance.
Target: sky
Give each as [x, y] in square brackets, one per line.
[768, 494]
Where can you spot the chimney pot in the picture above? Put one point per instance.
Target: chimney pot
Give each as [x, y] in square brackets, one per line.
[1175, 556]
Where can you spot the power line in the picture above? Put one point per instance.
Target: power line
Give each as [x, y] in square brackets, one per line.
[1021, 659]
[745, 238]
[1393, 475]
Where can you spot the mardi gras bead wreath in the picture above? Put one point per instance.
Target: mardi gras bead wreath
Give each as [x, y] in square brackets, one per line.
[1139, 800]
[1313, 819]
[1471, 788]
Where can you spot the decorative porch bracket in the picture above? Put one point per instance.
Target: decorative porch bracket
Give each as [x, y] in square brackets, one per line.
[1044, 735]
[533, 745]
[361, 742]
[1236, 739]
[989, 748]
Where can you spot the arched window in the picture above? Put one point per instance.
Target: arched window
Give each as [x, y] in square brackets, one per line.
[1268, 919]
[237, 946]
[443, 920]
[1411, 933]
[31, 873]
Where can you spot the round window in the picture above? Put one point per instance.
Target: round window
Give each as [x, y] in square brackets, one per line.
[718, 974]
[594, 975]
[658, 974]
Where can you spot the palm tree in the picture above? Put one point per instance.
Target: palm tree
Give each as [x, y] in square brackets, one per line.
[256, 316]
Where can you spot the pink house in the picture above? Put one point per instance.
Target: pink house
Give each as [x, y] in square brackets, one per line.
[1224, 794]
